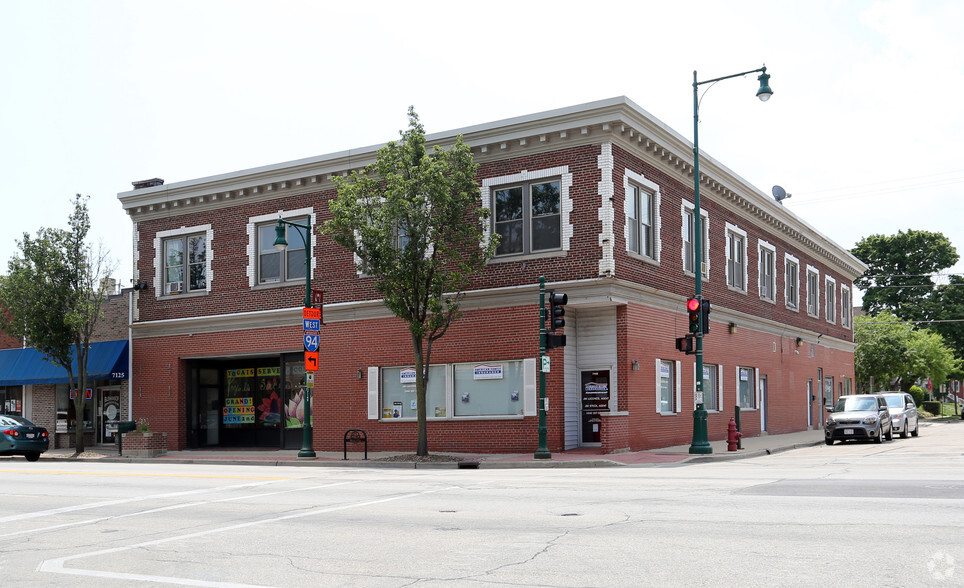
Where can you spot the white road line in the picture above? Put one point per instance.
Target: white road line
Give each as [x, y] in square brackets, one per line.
[164, 508]
[56, 566]
[53, 511]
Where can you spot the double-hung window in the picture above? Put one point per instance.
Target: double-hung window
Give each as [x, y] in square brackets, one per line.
[813, 291]
[711, 399]
[527, 217]
[792, 282]
[282, 266]
[844, 306]
[689, 241]
[831, 300]
[745, 387]
[667, 386]
[735, 258]
[639, 218]
[768, 271]
[183, 260]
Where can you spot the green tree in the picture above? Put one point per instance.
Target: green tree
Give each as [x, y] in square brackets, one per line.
[52, 295]
[900, 269]
[414, 222]
[949, 298]
[880, 352]
[928, 356]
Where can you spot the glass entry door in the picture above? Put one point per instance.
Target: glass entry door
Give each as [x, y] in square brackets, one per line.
[108, 414]
[595, 400]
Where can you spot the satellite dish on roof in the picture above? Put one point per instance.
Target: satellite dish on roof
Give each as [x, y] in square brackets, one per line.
[780, 194]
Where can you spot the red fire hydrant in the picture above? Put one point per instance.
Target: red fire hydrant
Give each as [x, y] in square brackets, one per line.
[732, 436]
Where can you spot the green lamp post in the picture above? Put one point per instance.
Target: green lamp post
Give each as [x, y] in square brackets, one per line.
[281, 243]
[701, 443]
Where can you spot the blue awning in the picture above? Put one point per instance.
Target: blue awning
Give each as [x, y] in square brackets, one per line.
[107, 360]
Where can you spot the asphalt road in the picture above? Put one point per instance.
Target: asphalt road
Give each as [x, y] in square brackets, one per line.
[847, 515]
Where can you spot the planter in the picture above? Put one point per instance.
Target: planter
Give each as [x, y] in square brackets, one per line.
[143, 444]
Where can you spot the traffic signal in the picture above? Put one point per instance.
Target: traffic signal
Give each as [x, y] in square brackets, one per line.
[557, 300]
[686, 344]
[695, 312]
[705, 316]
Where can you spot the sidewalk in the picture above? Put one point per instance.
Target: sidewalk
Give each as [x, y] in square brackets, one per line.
[586, 457]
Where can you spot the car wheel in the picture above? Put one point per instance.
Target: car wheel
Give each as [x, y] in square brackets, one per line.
[32, 456]
[916, 430]
[904, 432]
[829, 441]
[890, 433]
[880, 435]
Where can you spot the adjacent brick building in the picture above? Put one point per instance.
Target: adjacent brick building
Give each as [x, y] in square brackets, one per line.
[598, 198]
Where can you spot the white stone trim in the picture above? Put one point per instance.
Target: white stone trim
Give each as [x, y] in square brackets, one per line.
[159, 238]
[631, 177]
[565, 201]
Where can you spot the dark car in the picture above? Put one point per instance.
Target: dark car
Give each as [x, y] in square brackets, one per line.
[860, 416]
[18, 436]
[903, 412]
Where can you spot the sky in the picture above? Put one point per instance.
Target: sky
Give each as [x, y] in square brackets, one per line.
[863, 130]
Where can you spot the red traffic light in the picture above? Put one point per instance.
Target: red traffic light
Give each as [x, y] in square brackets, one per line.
[693, 304]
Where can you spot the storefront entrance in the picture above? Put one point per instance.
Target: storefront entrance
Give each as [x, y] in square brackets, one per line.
[254, 402]
[108, 415]
[595, 399]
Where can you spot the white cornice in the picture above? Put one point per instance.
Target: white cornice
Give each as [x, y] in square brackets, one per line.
[617, 120]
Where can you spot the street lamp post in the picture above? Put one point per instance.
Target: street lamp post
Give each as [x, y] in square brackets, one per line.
[281, 243]
[701, 443]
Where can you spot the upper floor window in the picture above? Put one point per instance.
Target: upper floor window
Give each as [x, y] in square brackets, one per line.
[642, 215]
[845, 306]
[689, 244]
[183, 260]
[813, 291]
[792, 282]
[735, 257]
[527, 217]
[768, 271]
[831, 300]
[288, 264]
[268, 265]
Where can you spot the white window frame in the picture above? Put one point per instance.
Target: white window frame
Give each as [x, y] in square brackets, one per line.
[830, 299]
[718, 393]
[675, 369]
[688, 211]
[253, 251]
[752, 383]
[527, 400]
[565, 206]
[845, 307]
[767, 268]
[813, 292]
[791, 284]
[634, 185]
[732, 282]
[160, 278]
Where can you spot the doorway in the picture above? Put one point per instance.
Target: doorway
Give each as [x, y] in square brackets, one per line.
[810, 400]
[595, 400]
[763, 402]
[107, 415]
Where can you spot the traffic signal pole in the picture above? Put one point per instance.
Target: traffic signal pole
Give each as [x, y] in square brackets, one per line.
[543, 450]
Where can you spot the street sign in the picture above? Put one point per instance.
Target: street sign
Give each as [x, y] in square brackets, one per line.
[311, 361]
[317, 297]
[545, 363]
[312, 324]
[309, 380]
[311, 313]
[311, 342]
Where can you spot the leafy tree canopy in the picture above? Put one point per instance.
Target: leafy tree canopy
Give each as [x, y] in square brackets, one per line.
[900, 272]
[52, 295]
[413, 220]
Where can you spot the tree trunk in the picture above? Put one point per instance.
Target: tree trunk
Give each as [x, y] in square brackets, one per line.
[421, 383]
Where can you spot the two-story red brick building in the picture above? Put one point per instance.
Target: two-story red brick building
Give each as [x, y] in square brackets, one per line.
[598, 198]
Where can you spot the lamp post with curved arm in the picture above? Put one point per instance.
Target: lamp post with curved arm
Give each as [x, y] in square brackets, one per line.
[701, 443]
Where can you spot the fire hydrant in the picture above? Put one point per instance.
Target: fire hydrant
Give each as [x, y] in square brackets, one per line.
[732, 436]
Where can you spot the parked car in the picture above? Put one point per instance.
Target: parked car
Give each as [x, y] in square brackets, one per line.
[859, 416]
[18, 436]
[903, 413]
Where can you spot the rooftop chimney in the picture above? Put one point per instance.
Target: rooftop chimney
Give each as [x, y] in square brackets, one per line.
[148, 183]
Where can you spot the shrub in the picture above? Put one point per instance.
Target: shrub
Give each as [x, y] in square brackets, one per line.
[918, 393]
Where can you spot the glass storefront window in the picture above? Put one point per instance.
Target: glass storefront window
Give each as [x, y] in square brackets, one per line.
[294, 408]
[11, 400]
[268, 398]
[488, 389]
[398, 392]
[238, 410]
[66, 412]
[710, 389]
